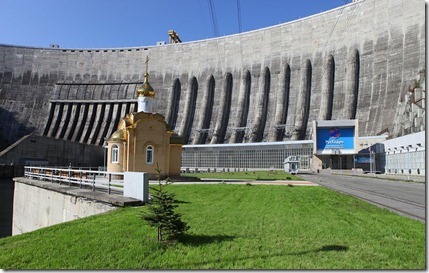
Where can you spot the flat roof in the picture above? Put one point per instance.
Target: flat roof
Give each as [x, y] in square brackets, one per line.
[274, 144]
[339, 123]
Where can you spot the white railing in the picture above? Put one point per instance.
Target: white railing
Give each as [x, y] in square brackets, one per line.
[82, 178]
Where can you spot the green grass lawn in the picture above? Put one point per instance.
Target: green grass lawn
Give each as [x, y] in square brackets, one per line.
[232, 227]
[250, 175]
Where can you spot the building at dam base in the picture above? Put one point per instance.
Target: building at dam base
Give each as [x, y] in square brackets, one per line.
[336, 145]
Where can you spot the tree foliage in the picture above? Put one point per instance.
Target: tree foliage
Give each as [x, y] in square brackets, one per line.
[161, 212]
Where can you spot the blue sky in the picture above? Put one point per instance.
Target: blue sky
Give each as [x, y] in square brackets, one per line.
[132, 23]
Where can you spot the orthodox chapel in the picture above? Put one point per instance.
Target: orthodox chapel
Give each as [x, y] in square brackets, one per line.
[144, 140]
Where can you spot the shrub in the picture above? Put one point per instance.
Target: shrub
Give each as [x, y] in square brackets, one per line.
[161, 212]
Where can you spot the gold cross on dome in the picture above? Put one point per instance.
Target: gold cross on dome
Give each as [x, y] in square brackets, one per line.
[147, 63]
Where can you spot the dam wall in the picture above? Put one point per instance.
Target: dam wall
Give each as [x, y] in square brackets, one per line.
[355, 61]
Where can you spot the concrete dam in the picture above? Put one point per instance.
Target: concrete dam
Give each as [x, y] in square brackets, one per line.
[355, 61]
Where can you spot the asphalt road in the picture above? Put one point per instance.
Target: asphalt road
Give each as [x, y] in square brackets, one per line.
[405, 198]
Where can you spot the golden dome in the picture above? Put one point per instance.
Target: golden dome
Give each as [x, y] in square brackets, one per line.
[127, 120]
[118, 135]
[145, 89]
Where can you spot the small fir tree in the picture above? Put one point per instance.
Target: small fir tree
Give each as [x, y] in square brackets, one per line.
[161, 212]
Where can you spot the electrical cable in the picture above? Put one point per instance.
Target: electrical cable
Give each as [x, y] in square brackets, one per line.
[213, 17]
[239, 16]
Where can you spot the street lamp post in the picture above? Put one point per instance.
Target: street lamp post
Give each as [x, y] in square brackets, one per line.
[354, 164]
[104, 153]
[370, 160]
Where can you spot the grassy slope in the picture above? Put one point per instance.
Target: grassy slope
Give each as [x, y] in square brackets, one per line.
[232, 226]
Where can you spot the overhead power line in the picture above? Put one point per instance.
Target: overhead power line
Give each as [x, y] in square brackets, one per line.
[213, 17]
[239, 16]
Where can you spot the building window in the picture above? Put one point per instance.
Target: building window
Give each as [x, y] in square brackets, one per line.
[149, 154]
[115, 153]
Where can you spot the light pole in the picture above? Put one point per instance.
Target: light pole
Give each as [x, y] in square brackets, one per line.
[104, 159]
[354, 164]
[370, 160]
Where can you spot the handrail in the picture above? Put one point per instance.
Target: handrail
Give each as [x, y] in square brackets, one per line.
[78, 177]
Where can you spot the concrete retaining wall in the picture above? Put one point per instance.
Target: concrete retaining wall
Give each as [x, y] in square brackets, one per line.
[35, 207]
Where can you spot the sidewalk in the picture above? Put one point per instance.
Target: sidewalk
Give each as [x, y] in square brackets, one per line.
[399, 177]
[278, 182]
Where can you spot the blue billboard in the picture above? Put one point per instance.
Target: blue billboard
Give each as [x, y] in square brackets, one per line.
[331, 140]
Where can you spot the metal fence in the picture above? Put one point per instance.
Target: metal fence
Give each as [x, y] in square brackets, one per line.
[109, 182]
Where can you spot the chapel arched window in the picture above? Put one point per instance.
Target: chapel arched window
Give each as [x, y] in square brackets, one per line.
[150, 151]
[115, 153]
